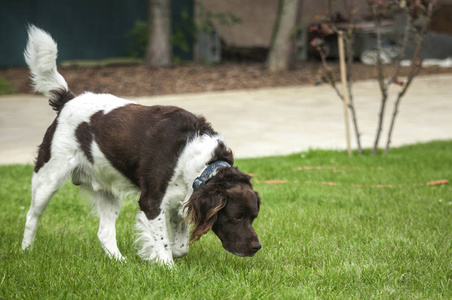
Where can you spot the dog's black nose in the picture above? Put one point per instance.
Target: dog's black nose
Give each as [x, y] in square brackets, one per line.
[256, 247]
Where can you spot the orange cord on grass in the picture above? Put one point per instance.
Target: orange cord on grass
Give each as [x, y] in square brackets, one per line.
[436, 182]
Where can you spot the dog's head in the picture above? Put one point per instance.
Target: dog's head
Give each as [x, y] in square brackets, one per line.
[227, 204]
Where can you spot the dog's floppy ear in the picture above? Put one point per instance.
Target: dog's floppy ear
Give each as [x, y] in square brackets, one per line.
[202, 209]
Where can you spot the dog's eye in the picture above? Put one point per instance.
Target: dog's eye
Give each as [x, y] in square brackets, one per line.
[240, 217]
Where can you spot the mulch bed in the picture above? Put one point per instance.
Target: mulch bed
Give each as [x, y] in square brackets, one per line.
[137, 80]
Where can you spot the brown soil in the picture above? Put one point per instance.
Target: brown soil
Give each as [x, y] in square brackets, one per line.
[138, 80]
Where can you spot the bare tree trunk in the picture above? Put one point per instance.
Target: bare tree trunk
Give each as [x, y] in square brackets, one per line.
[281, 53]
[383, 86]
[415, 67]
[425, 8]
[349, 42]
[381, 114]
[158, 52]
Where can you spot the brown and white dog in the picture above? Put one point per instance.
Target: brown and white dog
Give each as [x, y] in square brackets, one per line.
[173, 159]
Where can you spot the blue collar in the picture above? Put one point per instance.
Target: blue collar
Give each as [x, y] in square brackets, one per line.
[208, 173]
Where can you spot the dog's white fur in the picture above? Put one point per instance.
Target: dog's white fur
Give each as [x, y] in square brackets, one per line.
[162, 238]
[40, 55]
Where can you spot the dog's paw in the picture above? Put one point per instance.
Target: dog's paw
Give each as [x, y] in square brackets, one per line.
[116, 256]
[26, 246]
[162, 261]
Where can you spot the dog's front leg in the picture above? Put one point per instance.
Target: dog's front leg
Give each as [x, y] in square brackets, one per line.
[179, 244]
[153, 239]
[179, 233]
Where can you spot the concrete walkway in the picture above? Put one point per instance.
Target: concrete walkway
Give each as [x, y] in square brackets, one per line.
[265, 122]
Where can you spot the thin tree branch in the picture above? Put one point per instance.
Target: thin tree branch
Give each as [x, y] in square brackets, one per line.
[349, 42]
[328, 73]
[401, 56]
[383, 88]
[377, 20]
[414, 69]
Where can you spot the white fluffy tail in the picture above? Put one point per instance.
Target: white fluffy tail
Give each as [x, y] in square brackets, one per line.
[40, 55]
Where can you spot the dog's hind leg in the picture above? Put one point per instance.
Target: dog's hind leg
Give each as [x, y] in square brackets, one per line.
[108, 207]
[45, 182]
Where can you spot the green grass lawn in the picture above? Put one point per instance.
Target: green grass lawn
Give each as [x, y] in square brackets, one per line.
[331, 227]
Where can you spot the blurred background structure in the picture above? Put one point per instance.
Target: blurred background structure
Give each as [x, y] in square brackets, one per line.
[239, 30]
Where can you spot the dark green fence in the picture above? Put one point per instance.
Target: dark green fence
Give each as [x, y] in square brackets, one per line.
[83, 29]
